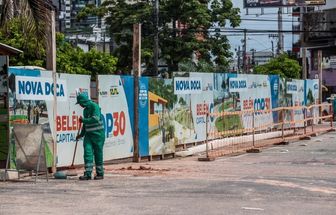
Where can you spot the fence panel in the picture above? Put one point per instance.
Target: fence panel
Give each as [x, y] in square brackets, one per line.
[258, 131]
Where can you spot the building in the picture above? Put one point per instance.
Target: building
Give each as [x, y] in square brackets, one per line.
[86, 33]
[67, 11]
[320, 34]
[253, 58]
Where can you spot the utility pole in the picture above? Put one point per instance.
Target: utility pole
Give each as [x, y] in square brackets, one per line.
[253, 57]
[304, 63]
[104, 42]
[136, 73]
[319, 66]
[239, 59]
[244, 52]
[156, 38]
[51, 65]
[303, 49]
[280, 33]
[274, 36]
[319, 61]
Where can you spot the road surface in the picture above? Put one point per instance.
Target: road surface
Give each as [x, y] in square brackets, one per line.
[299, 178]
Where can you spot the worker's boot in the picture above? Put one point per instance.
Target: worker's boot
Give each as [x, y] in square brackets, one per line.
[98, 177]
[85, 177]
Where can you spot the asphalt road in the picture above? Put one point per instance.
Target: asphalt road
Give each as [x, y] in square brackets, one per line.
[296, 179]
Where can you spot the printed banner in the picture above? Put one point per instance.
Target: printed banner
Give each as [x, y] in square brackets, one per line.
[184, 85]
[143, 115]
[298, 99]
[116, 102]
[161, 118]
[312, 97]
[27, 111]
[36, 88]
[190, 110]
[67, 120]
[292, 88]
[237, 85]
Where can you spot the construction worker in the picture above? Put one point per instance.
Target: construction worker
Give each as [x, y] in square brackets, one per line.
[94, 137]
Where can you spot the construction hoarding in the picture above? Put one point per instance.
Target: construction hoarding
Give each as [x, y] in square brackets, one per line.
[171, 111]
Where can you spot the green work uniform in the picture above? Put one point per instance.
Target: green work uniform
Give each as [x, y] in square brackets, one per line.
[94, 135]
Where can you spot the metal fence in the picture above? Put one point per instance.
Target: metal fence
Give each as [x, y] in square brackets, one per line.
[257, 129]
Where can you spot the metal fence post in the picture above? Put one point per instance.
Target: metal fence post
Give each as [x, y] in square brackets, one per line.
[206, 136]
[253, 129]
[331, 115]
[320, 114]
[313, 118]
[304, 119]
[282, 124]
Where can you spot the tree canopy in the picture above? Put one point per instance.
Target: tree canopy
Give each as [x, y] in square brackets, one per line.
[186, 28]
[282, 65]
[69, 59]
[36, 15]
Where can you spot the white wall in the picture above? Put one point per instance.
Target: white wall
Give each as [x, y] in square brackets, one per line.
[330, 4]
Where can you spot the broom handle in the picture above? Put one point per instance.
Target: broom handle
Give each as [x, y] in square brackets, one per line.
[74, 155]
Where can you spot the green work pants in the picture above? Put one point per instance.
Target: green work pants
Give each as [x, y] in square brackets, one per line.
[93, 147]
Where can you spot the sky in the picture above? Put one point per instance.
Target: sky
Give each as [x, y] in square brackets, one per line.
[261, 43]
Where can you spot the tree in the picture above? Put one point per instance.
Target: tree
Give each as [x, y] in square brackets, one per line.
[282, 65]
[69, 59]
[164, 90]
[37, 13]
[184, 30]
[14, 35]
[74, 60]
[34, 13]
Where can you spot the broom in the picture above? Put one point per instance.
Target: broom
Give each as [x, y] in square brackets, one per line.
[74, 155]
[65, 174]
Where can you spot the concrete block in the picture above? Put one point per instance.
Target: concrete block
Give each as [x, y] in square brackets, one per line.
[253, 151]
[206, 159]
[11, 175]
[282, 143]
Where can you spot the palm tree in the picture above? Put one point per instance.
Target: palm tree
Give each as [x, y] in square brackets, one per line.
[35, 15]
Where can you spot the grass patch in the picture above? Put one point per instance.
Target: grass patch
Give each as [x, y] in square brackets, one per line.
[228, 123]
[184, 118]
[227, 105]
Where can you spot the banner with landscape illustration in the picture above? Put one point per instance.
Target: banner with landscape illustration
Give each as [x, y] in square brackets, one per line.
[30, 103]
[237, 92]
[161, 116]
[312, 97]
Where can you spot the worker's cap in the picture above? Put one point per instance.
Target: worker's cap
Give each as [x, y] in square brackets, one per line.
[82, 98]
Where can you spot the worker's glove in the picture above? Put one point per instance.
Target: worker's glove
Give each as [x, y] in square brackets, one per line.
[78, 137]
